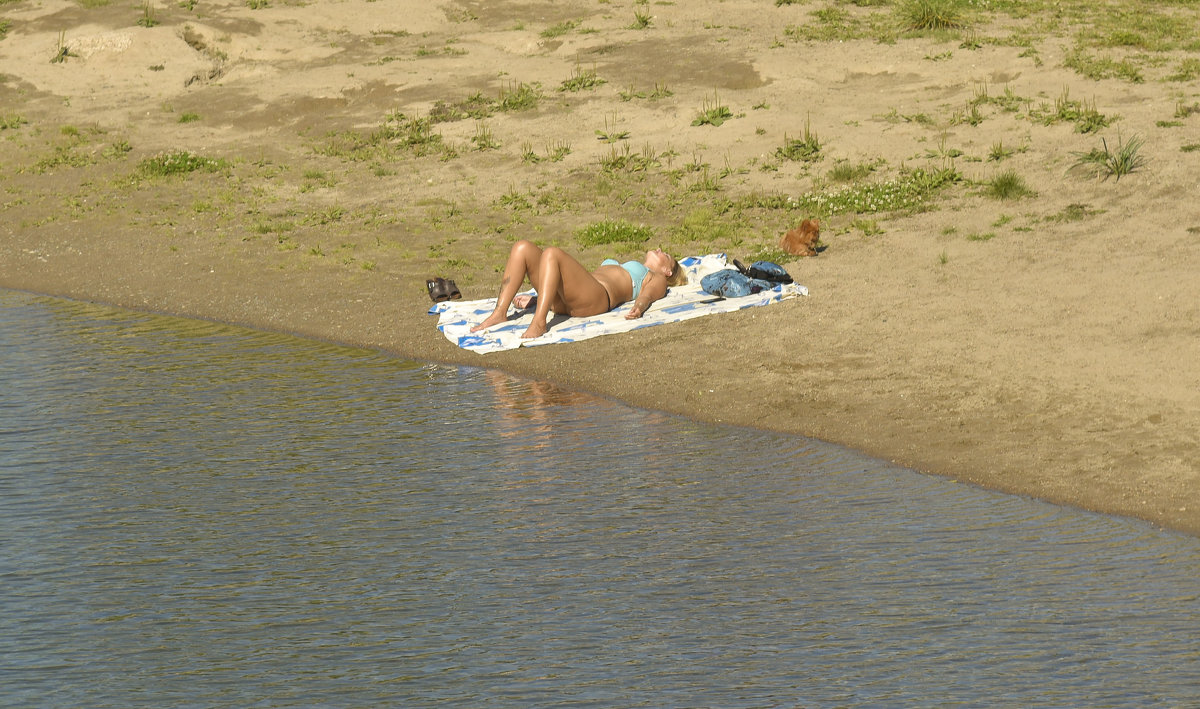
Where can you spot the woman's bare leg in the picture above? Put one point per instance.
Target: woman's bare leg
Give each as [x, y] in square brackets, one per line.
[567, 285]
[523, 260]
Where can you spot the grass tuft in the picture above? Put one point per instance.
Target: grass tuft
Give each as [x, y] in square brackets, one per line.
[147, 19]
[582, 80]
[712, 113]
[927, 15]
[1105, 162]
[803, 149]
[1009, 185]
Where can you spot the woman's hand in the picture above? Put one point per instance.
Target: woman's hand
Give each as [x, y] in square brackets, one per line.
[635, 312]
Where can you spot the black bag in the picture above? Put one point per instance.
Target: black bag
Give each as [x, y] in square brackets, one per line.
[764, 271]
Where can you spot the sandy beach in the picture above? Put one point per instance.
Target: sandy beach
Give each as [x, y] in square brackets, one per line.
[1006, 293]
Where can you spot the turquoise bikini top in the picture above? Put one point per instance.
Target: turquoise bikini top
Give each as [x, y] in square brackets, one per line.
[637, 272]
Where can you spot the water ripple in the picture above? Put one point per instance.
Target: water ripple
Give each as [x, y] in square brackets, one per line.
[194, 514]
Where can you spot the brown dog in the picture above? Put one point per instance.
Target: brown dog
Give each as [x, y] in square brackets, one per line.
[802, 241]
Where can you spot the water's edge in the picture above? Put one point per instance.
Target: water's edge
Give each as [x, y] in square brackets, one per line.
[572, 385]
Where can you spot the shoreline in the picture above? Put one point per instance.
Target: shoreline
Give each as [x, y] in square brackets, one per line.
[574, 368]
[984, 309]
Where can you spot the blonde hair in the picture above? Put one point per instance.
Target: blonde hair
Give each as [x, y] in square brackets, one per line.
[678, 275]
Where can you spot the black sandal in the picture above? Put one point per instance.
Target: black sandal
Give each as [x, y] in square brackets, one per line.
[452, 290]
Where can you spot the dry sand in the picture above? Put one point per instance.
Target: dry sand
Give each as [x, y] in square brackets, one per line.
[1048, 346]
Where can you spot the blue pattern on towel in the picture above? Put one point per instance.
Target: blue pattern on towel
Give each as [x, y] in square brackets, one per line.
[681, 303]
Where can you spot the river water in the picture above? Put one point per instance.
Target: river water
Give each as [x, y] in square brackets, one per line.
[193, 514]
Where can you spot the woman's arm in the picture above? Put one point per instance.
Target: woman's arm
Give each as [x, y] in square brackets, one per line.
[654, 287]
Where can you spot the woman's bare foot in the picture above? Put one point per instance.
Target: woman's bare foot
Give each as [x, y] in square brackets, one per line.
[493, 319]
[535, 330]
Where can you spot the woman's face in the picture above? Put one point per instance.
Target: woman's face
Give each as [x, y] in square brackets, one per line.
[660, 261]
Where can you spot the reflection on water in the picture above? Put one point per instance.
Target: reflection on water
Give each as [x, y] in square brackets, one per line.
[193, 514]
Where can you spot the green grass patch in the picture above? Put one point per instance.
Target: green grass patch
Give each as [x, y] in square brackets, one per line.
[850, 172]
[474, 106]
[1074, 212]
[1097, 67]
[702, 227]
[626, 160]
[910, 192]
[560, 29]
[582, 80]
[1188, 70]
[831, 24]
[613, 232]
[1182, 110]
[179, 162]
[1087, 118]
[522, 97]
[398, 133]
[868, 227]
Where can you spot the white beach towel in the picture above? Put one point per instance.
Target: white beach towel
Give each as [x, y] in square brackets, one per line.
[681, 303]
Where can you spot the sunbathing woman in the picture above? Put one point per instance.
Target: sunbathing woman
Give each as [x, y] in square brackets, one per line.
[566, 286]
